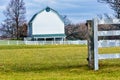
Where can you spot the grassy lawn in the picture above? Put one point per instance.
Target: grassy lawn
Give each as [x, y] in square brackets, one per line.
[54, 62]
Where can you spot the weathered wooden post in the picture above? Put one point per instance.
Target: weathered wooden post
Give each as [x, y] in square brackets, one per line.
[92, 44]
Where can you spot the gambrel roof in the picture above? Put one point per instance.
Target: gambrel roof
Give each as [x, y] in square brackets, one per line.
[34, 16]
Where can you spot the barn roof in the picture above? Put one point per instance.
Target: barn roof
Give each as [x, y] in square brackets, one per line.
[48, 11]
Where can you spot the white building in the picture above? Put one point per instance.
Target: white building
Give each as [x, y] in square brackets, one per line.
[46, 25]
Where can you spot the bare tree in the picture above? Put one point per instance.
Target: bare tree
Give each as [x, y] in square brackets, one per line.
[107, 16]
[76, 31]
[66, 20]
[114, 4]
[23, 31]
[15, 18]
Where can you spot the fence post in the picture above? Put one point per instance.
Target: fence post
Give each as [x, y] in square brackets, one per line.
[17, 42]
[92, 27]
[95, 34]
[90, 44]
[8, 42]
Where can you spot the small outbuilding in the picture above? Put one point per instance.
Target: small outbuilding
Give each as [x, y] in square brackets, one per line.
[46, 25]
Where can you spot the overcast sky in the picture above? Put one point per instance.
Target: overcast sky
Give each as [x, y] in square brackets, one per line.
[76, 10]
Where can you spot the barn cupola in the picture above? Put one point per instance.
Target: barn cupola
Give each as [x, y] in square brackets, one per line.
[47, 9]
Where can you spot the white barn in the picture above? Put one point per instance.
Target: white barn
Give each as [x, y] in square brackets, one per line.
[46, 25]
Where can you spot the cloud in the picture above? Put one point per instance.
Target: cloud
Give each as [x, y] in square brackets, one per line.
[74, 9]
[2, 7]
[65, 7]
[3, 4]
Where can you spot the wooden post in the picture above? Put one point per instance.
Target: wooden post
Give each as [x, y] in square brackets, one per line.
[92, 44]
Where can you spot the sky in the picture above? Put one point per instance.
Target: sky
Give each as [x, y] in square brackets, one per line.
[76, 10]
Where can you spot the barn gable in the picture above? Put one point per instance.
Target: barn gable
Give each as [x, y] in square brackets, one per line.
[46, 24]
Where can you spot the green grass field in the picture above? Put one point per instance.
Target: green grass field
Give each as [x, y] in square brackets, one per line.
[54, 62]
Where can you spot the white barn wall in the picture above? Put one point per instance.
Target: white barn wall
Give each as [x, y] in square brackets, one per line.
[54, 24]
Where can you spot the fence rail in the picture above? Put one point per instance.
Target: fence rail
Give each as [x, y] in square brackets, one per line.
[108, 56]
[101, 43]
[109, 43]
[12, 42]
[109, 33]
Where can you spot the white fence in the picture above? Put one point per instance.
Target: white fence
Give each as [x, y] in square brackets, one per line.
[94, 44]
[101, 43]
[56, 42]
[12, 42]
